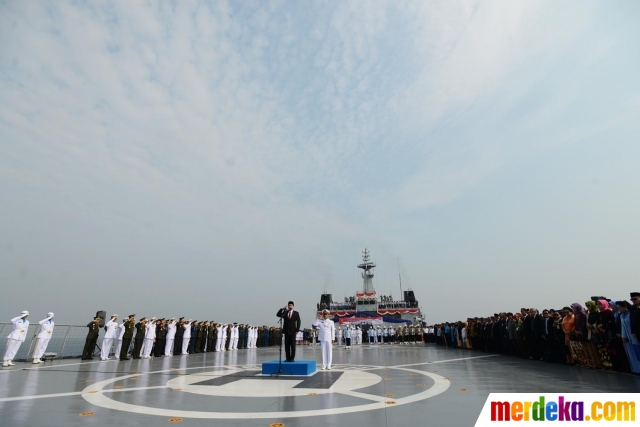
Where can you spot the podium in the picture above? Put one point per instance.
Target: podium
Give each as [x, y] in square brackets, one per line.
[299, 367]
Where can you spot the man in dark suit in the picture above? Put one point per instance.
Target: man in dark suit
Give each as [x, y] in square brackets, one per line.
[537, 332]
[290, 327]
[635, 314]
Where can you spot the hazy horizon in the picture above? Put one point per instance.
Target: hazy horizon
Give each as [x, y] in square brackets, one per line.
[215, 160]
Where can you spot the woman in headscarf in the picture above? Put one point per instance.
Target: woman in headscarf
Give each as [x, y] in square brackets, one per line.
[592, 319]
[605, 327]
[579, 335]
[628, 339]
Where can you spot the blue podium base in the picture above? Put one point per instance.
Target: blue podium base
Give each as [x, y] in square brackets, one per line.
[299, 367]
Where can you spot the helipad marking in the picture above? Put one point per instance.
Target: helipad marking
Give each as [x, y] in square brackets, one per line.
[380, 402]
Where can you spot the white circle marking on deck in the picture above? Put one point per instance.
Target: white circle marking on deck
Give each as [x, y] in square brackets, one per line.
[440, 385]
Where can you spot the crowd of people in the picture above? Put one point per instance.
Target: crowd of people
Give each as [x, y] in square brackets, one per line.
[145, 338]
[602, 334]
[366, 333]
[168, 337]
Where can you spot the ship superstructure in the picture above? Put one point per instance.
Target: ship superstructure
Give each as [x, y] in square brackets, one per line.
[367, 304]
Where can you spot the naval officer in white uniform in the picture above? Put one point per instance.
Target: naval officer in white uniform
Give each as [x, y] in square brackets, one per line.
[16, 337]
[219, 328]
[149, 337]
[120, 335]
[43, 338]
[111, 333]
[186, 337]
[327, 335]
[171, 336]
[234, 337]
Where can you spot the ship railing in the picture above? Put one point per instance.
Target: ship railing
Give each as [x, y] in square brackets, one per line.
[398, 305]
[337, 306]
[67, 341]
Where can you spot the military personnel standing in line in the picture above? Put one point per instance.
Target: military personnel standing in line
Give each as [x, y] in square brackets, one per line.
[171, 336]
[16, 337]
[141, 328]
[186, 337]
[44, 336]
[211, 338]
[111, 333]
[192, 337]
[161, 337]
[119, 335]
[92, 339]
[127, 336]
[149, 337]
[177, 347]
[201, 337]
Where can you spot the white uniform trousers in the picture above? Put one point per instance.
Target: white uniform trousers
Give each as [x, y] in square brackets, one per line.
[327, 353]
[41, 347]
[116, 353]
[12, 349]
[235, 343]
[106, 348]
[168, 348]
[185, 345]
[147, 345]
[218, 344]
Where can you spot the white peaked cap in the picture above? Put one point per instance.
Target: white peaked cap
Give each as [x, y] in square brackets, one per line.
[153, 318]
[114, 315]
[50, 314]
[22, 313]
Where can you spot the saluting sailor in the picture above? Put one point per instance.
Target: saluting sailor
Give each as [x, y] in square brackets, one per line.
[141, 328]
[186, 337]
[327, 334]
[235, 336]
[44, 335]
[219, 332]
[171, 335]
[16, 337]
[120, 335]
[110, 334]
[129, 327]
[149, 336]
[92, 338]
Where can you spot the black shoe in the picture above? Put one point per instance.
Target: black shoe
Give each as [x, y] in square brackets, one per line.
[124, 358]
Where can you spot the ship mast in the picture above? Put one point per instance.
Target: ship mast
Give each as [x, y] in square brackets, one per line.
[367, 274]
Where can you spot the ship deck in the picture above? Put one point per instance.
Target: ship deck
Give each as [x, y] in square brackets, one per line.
[369, 386]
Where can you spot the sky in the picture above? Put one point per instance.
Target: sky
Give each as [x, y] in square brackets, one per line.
[215, 160]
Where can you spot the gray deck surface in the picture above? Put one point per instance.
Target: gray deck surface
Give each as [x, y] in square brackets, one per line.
[378, 386]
